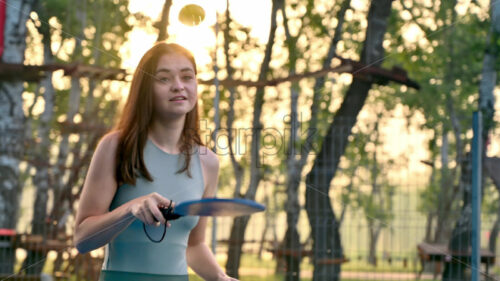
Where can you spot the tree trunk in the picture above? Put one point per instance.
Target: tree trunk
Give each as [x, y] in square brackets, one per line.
[12, 123]
[374, 224]
[374, 231]
[75, 93]
[491, 166]
[269, 222]
[236, 240]
[443, 227]
[291, 241]
[460, 238]
[239, 224]
[237, 168]
[164, 21]
[431, 214]
[41, 179]
[325, 233]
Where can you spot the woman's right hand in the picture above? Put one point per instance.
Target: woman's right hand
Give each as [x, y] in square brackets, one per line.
[147, 208]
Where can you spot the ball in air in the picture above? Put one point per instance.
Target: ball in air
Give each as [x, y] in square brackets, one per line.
[191, 15]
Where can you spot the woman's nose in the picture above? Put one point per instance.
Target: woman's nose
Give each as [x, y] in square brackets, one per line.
[177, 84]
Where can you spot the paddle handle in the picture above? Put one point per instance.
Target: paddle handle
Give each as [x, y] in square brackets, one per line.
[168, 214]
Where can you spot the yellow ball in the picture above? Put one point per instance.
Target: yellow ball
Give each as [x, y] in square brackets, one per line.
[191, 15]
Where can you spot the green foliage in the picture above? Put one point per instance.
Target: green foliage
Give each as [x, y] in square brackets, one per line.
[61, 102]
[446, 61]
[104, 21]
[428, 61]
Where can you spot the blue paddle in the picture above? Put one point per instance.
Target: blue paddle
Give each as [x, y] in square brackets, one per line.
[218, 207]
[211, 207]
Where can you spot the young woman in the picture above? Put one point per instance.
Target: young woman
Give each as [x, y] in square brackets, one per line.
[152, 159]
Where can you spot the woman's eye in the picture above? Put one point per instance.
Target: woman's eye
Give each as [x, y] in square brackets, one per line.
[188, 78]
[163, 79]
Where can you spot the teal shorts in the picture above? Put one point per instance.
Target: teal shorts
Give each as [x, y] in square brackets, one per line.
[108, 275]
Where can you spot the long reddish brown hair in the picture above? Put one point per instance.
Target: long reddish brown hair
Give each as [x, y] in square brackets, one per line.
[137, 116]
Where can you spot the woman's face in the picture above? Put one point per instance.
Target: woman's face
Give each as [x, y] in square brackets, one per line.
[175, 87]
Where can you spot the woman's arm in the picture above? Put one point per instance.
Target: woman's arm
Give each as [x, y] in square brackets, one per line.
[199, 256]
[95, 225]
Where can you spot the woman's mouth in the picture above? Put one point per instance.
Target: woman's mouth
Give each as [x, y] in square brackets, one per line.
[178, 98]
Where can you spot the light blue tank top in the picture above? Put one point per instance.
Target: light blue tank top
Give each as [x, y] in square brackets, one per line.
[131, 250]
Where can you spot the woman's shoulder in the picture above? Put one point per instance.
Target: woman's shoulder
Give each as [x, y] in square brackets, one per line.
[109, 142]
[111, 136]
[208, 158]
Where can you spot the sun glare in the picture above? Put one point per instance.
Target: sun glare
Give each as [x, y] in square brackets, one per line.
[199, 39]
